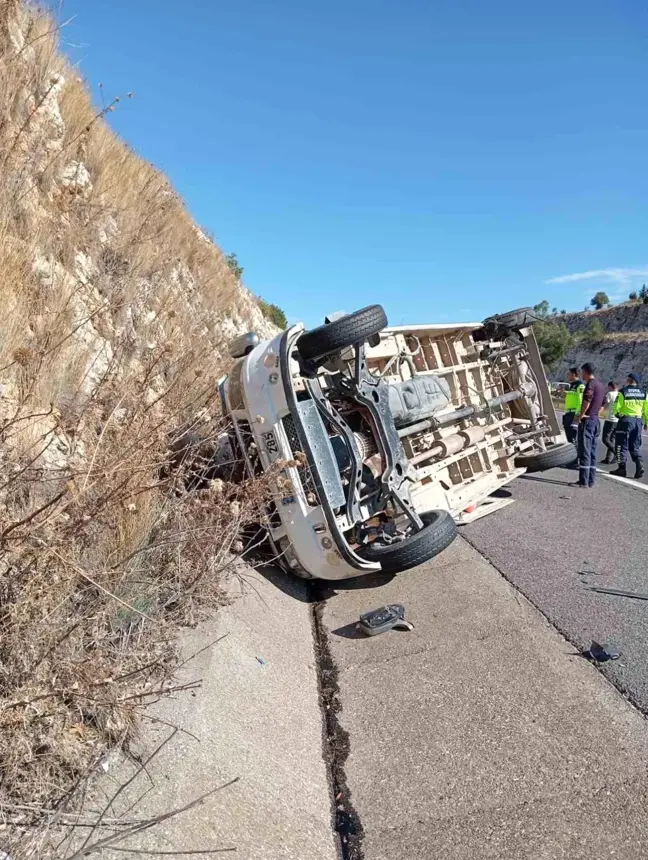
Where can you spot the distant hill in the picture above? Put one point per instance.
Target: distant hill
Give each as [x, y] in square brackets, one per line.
[622, 348]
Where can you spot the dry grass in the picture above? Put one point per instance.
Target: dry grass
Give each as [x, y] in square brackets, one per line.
[110, 310]
[625, 337]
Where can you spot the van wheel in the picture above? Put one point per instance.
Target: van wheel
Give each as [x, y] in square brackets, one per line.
[438, 533]
[342, 333]
[513, 319]
[555, 455]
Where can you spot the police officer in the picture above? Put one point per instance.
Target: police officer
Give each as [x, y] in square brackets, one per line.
[573, 403]
[631, 406]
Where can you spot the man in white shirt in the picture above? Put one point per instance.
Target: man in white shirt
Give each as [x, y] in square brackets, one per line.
[610, 421]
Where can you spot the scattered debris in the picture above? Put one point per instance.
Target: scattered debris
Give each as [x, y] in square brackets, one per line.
[635, 595]
[602, 653]
[390, 617]
[261, 661]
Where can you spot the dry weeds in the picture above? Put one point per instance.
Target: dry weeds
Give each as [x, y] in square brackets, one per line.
[110, 307]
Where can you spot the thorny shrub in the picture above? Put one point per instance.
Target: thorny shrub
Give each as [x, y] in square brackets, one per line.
[110, 307]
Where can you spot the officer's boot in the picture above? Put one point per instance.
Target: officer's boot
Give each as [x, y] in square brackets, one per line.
[640, 470]
[609, 458]
[620, 471]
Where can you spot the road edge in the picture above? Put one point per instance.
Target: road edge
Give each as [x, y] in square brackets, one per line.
[623, 691]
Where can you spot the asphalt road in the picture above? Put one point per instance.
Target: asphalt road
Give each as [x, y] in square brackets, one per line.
[602, 451]
[555, 542]
[629, 465]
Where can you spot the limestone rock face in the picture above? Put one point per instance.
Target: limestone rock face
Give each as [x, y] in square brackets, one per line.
[623, 349]
[115, 314]
[106, 280]
[613, 358]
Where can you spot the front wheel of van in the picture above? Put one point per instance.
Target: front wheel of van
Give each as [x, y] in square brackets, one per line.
[438, 532]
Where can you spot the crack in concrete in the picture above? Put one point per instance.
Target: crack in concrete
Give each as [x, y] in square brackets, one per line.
[346, 820]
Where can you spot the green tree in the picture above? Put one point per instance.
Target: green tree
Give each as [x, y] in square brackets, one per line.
[599, 300]
[554, 338]
[643, 294]
[274, 313]
[633, 296]
[235, 267]
[593, 334]
[563, 312]
[554, 341]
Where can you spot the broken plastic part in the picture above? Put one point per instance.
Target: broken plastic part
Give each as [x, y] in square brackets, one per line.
[390, 617]
[603, 653]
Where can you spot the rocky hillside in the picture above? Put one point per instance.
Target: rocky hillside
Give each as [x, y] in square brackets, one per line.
[95, 242]
[620, 346]
[114, 311]
[629, 317]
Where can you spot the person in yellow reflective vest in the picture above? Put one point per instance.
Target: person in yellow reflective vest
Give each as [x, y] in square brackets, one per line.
[573, 403]
[631, 407]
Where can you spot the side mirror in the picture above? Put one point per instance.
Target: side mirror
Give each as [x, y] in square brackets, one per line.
[243, 344]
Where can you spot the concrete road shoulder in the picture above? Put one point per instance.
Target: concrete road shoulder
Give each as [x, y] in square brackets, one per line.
[255, 718]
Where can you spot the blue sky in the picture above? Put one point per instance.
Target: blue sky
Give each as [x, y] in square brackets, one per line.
[448, 160]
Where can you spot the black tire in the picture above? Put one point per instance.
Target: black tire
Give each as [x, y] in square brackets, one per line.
[555, 455]
[513, 319]
[343, 333]
[439, 532]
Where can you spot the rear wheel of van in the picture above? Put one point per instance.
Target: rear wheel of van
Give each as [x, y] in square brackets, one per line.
[340, 334]
[518, 318]
[563, 454]
[438, 532]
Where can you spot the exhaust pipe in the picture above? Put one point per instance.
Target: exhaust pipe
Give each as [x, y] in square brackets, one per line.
[526, 390]
[452, 445]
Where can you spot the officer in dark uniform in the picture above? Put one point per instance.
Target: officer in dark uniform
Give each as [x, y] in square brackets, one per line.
[632, 408]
